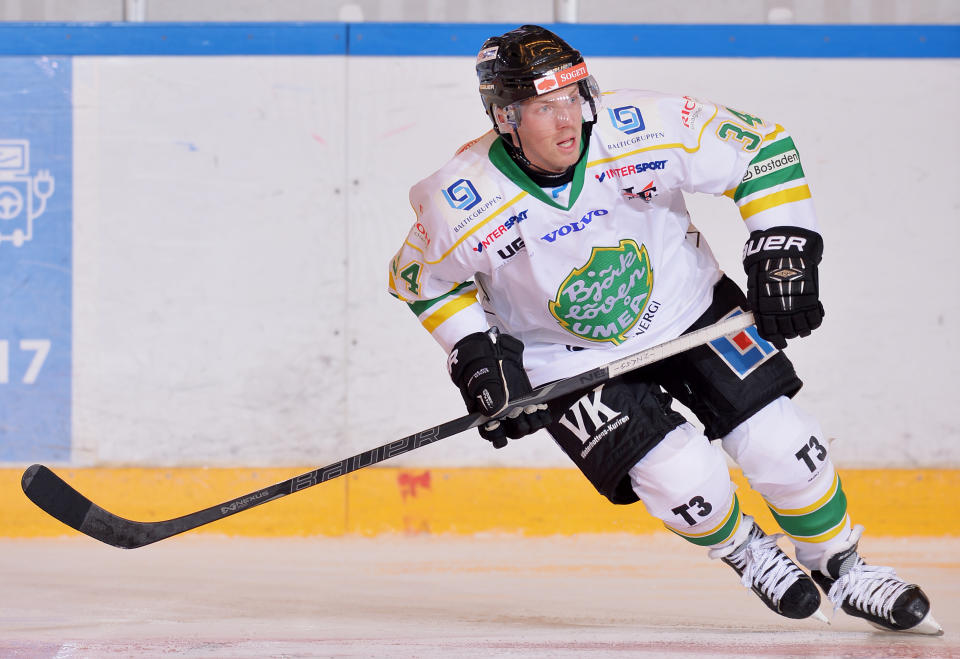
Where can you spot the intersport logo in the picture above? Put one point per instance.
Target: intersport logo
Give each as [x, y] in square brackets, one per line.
[500, 230]
[573, 227]
[627, 170]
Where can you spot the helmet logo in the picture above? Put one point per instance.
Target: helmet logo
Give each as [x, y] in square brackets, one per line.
[546, 84]
[487, 54]
[561, 78]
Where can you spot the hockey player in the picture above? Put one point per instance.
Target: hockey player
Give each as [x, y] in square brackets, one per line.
[559, 241]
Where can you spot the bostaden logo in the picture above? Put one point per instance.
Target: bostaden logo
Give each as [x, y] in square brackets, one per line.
[771, 165]
[602, 300]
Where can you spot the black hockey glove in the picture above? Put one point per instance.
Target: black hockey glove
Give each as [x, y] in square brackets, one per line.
[782, 285]
[488, 369]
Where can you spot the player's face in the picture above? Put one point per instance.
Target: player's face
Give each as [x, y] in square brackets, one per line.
[549, 129]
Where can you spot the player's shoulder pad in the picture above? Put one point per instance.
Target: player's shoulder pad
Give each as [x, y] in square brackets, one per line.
[462, 193]
[475, 141]
[640, 118]
[468, 158]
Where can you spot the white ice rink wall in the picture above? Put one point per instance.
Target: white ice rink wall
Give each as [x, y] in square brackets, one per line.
[233, 214]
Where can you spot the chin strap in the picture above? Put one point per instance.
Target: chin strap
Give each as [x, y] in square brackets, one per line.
[537, 175]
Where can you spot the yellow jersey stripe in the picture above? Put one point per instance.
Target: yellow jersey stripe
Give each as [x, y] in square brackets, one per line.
[455, 305]
[714, 529]
[750, 209]
[823, 537]
[772, 136]
[477, 228]
[675, 145]
[816, 504]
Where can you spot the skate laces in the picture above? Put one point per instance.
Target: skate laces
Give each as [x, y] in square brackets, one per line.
[766, 567]
[870, 588]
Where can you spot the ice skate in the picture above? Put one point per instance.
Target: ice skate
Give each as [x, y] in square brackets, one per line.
[873, 593]
[770, 573]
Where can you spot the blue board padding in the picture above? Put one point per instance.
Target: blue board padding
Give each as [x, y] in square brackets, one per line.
[173, 38]
[36, 280]
[464, 39]
[802, 41]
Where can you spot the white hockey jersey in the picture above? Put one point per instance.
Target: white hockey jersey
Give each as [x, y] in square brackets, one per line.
[611, 271]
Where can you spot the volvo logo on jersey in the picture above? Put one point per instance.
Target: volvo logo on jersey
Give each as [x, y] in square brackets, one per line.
[572, 227]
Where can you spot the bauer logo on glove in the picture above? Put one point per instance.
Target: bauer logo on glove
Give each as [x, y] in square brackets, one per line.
[772, 243]
[782, 284]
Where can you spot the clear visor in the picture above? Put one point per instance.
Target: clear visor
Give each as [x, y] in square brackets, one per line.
[582, 98]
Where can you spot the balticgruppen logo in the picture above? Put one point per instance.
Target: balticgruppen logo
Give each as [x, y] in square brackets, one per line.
[461, 195]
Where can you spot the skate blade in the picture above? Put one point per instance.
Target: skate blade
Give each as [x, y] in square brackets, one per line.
[928, 626]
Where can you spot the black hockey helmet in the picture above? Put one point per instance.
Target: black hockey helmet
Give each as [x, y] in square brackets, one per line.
[527, 62]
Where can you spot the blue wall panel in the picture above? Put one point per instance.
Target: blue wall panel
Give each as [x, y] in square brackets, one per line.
[36, 238]
[638, 40]
[406, 39]
[36, 144]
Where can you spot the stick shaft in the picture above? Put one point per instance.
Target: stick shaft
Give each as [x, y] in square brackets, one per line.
[58, 499]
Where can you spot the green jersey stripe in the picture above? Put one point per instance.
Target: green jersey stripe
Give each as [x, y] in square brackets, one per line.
[775, 149]
[770, 180]
[720, 535]
[774, 165]
[419, 307]
[817, 522]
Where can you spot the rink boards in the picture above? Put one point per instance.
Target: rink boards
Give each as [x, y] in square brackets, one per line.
[205, 284]
[530, 502]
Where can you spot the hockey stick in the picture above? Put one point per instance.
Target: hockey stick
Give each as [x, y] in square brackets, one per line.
[55, 497]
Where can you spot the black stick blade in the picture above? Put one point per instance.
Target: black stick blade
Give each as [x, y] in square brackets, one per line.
[52, 494]
[56, 498]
